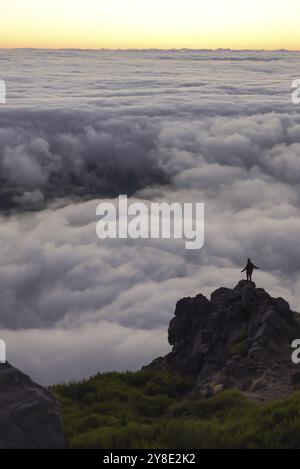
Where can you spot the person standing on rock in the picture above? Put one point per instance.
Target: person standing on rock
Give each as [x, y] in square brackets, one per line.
[249, 270]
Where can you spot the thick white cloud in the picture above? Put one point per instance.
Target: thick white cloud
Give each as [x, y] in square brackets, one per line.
[61, 355]
[212, 127]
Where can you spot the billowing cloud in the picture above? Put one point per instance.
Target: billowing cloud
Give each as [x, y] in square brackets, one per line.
[60, 355]
[217, 128]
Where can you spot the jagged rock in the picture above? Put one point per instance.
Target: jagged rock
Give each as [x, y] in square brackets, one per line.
[29, 414]
[240, 338]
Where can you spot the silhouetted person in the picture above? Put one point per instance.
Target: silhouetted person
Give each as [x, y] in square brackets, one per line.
[249, 270]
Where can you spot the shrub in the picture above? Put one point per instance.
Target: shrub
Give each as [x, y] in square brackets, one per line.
[153, 410]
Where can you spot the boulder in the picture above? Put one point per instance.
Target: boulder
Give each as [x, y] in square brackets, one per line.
[29, 414]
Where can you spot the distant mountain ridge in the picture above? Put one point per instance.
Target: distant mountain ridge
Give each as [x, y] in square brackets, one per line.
[239, 339]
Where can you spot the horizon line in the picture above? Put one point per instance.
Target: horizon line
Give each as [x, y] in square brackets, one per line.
[151, 49]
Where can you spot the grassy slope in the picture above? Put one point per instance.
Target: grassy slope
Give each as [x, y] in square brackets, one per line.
[147, 410]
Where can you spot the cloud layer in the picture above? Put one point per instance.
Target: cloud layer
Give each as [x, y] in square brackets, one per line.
[212, 127]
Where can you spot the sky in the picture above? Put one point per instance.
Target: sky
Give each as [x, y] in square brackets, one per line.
[217, 128]
[93, 24]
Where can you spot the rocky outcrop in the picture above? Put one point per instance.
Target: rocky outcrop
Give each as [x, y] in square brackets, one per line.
[240, 338]
[29, 414]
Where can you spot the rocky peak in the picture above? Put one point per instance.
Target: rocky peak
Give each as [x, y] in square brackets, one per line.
[240, 338]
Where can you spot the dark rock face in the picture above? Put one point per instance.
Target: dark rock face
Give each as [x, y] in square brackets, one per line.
[29, 414]
[241, 339]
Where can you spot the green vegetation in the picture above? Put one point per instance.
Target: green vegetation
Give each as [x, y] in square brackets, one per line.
[239, 349]
[243, 335]
[156, 410]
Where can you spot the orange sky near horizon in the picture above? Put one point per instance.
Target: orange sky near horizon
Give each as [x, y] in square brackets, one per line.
[236, 24]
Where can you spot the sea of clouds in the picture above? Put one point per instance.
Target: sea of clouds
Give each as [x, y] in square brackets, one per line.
[80, 127]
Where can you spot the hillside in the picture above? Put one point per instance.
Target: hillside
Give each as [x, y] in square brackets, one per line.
[218, 388]
[154, 409]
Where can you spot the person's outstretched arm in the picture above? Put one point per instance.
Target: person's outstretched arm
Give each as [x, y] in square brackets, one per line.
[244, 269]
[254, 266]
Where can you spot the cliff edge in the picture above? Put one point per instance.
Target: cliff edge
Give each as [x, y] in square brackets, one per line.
[241, 338]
